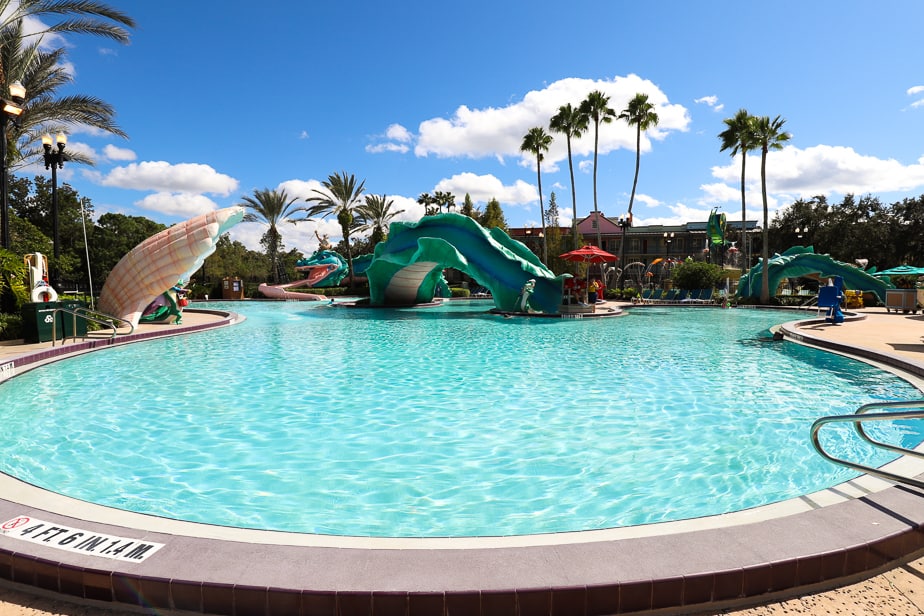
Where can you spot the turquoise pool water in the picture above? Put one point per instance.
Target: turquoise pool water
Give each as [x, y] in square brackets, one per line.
[441, 421]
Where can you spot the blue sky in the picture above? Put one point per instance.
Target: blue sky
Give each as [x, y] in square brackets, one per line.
[222, 97]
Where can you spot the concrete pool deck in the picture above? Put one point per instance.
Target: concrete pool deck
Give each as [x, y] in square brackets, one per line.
[813, 543]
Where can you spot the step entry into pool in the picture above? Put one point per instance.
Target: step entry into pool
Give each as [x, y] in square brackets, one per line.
[873, 412]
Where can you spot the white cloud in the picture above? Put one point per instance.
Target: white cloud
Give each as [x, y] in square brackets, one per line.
[794, 173]
[483, 188]
[387, 147]
[112, 152]
[498, 132]
[164, 177]
[711, 101]
[397, 132]
[913, 90]
[181, 204]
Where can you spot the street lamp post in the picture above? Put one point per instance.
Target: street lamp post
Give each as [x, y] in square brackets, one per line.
[624, 222]
[668, 238]
[12, 109]
[801, 231]
[54, 160]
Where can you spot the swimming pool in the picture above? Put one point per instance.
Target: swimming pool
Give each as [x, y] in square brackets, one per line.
[440, 422]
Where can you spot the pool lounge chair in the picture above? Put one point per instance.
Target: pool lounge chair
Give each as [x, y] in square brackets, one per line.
[692, 297]
[682, 296]
[654, 297]
[670, 297]
[705, 296]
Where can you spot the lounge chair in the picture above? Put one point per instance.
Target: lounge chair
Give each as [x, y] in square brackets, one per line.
[670, 297]
[705, 296]
[682, 296]
[692, 297]
[654, 297]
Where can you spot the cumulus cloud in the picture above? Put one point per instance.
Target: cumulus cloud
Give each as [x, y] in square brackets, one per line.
[112, 152]
[483, 188]
[181, 204]
[710, 101]
[498, 131]
[164, 177]
[396, 139]
[916, 91]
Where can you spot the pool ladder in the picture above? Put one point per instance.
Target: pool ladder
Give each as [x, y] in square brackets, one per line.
[886, 411]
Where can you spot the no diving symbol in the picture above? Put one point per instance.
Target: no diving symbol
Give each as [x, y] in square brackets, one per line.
[14, 523]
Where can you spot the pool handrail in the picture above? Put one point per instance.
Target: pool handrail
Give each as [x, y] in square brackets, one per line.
[100, 318]
[863, 414]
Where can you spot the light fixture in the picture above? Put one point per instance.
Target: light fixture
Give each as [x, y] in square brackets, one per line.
[12, 109]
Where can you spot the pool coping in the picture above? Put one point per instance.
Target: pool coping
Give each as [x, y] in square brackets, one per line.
[818, 541]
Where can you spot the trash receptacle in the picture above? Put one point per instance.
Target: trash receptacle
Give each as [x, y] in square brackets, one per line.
[232, 288]
[74, 326]
[38, 320]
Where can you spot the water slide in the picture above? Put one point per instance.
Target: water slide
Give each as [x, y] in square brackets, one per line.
[281, 291]
[802, 261]
[407, 268]
[161, 261]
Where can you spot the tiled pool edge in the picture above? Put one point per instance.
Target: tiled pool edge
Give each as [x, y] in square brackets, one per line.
[689, 571]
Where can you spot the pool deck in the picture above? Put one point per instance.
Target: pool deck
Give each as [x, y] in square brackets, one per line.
[817, 542]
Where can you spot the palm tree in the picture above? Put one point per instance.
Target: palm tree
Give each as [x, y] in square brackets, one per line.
[377, 214]
[640, 113]
[43, 74]
[768, 134]
[74, 17]
[572, 123]
[595, 108]
[537, 141]
[739, 137]
[441, 199]
[270, 207]
[427, 200]
[340, 197]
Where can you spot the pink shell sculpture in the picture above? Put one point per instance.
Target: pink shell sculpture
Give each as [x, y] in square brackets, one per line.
[161, 261]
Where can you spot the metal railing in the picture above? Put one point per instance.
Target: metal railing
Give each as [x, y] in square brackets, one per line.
[106, 321]
[864, 414]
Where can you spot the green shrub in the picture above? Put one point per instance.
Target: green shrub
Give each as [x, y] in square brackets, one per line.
[460, 292]
[10, 326]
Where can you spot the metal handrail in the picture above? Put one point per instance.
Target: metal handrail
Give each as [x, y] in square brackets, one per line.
[863, 414]
[100, 318]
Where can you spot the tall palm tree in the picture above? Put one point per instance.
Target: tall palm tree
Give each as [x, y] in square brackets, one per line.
[66, 17]
[447, 199]
[43, 74]
[768, 135]
[596, 109]
[537, 141]
[377, 213]
[641, 114]
[570, 122]
[271, 207]
[340, 197]
[427, 200]
[738, 137]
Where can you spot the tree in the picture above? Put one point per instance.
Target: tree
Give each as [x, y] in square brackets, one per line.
[493, 216]
[340, 197]
[270, 207]
[571, 122]
[377, 213]
[444, 199]
[537, 141]
[553, 235]
[738, 137]
[595, 108]
[641, 114]
[114, 235]
[427, 200]
[469, 209]
[768, 135]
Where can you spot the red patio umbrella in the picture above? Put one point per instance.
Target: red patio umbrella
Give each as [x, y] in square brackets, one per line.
[589, 254]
